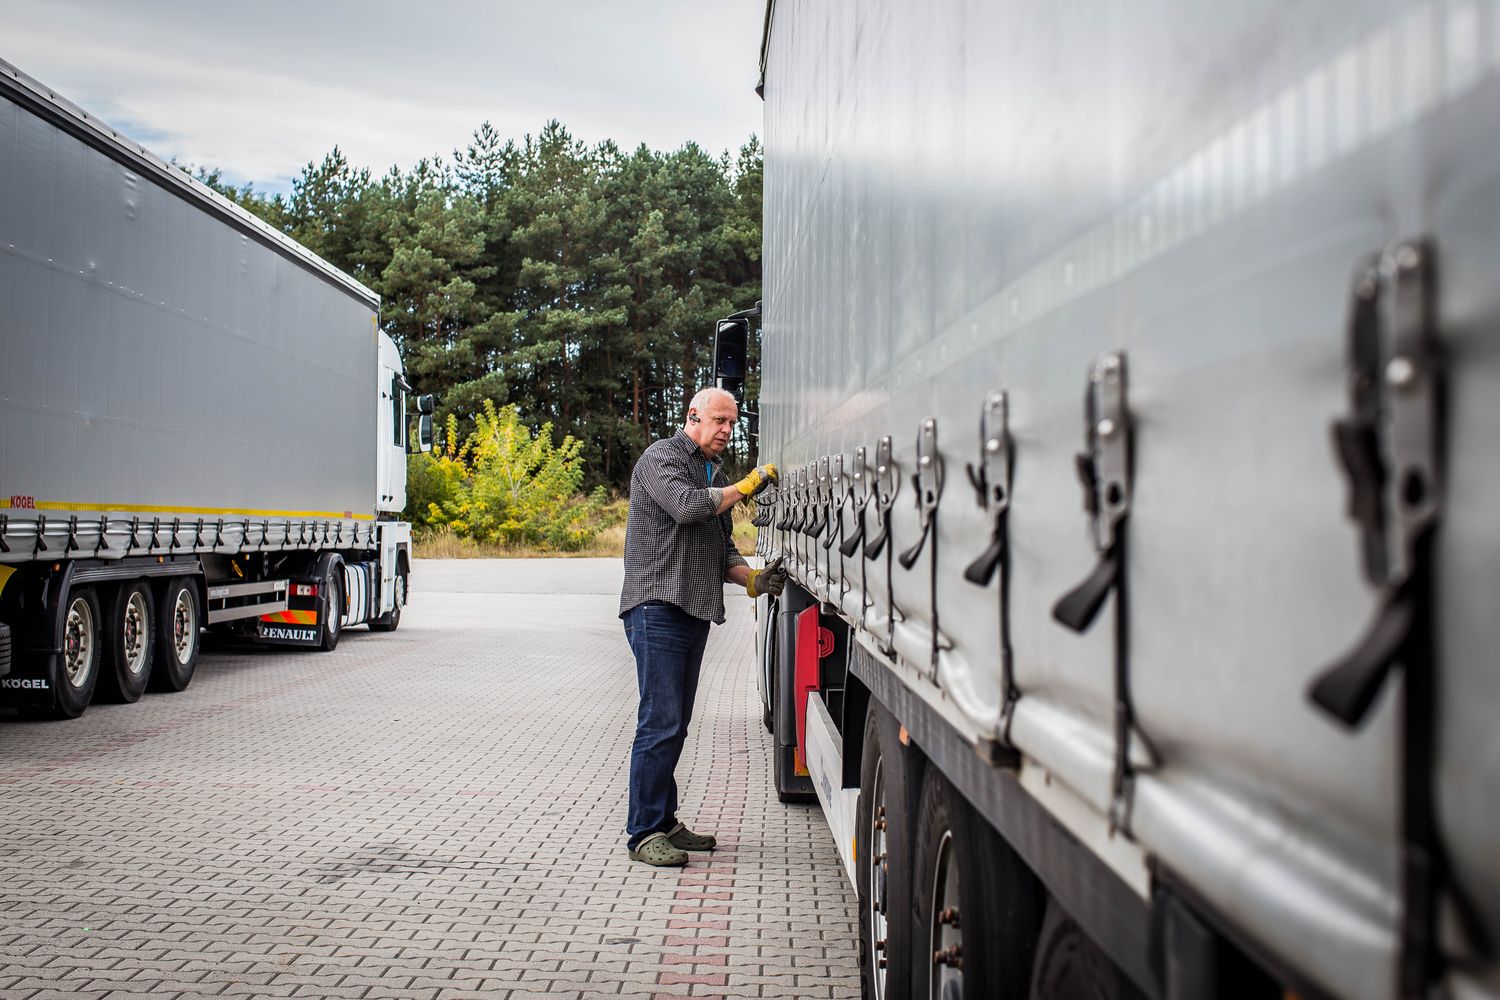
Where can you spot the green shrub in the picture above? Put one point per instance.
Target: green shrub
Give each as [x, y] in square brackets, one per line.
[507, 486]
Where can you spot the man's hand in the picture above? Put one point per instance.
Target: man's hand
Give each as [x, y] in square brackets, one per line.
[767, 581]
[759, 478]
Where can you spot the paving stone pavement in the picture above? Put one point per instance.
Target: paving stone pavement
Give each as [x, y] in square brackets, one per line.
[433, 813]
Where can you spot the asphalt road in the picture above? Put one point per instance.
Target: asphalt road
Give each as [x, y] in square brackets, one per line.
[436, 812]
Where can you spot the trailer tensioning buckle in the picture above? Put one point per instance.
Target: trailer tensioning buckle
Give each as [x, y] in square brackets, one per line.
[927, 484]
[1390, 446]
[991, 479]
[1104, 469]
[885, 487]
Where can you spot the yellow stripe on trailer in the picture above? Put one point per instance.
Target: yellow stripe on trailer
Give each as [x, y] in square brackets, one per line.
[9, 502]
[291, 617]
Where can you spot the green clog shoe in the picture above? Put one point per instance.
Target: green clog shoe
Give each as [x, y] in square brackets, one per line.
[686, 840]
[658, 850]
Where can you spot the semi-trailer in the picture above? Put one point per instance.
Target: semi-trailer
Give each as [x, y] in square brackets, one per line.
[1135, 371]
[202, 426]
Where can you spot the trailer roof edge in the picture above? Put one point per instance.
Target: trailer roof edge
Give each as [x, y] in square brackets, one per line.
[37, 96]
[765, 45]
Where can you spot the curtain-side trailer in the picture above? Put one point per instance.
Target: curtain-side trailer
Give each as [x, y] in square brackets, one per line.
[1135, 374]
[201, 424]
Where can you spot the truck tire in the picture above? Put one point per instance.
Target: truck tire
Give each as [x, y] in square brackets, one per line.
[332, 589]
[883, 861]
[78, 669]
[179, 623]
[130, 643]
[974, 904]
[392, 620]
[767, 707]
[1069, 966]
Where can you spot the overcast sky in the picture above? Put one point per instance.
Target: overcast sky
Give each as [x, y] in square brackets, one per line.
[260, 89]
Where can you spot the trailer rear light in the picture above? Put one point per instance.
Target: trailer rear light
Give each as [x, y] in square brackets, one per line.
[813, 643]
[304, 590]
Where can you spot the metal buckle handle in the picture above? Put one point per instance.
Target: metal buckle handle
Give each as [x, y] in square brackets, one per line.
[803, 510]
[927, 481]
[991, 481]
[820, 498]
[883, 489]
[1104, 469]
[837, 496]
[991, 478]
[1390, 446]
[859, 493]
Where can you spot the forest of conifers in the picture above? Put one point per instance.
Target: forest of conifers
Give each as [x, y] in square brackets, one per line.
[579, 283]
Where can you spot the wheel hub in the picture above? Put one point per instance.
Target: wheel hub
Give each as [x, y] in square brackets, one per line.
[135, 634]
[946, 935]
[184, 627]
[78, 642]
[879, 880]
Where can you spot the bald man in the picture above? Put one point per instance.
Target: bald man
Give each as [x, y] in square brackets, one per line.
[679, 553]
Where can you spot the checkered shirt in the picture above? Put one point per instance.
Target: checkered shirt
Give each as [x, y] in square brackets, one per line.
[677, 548]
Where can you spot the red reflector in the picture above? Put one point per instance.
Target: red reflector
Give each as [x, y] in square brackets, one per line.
[304, 590]
[806, 676]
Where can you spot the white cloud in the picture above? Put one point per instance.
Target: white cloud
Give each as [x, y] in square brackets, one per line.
[261, 98]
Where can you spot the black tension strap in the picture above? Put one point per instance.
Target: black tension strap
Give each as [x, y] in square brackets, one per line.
[786, 523]
[883, 491]
[839, 496]
[991, 479]
[927, 483]
[836, 500]
[852, 542]
[803, 519]
[1104, 469]
[821, 522]
[765, 506]
[859, 493]
[1390, 446]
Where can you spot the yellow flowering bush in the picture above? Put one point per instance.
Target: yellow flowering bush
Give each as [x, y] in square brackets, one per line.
[504, 485]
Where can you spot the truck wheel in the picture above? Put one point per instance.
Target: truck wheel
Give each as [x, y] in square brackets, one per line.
[332, 588]
[391, 621]
[81, 641]
[179, 620]
[130, 645]
[768, 670]
[883, 862]
[1069, 966]
[974, 931]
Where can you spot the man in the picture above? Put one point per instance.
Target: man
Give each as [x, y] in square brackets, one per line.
[679, 553]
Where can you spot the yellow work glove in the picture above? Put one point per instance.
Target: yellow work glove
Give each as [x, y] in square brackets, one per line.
[759, 478]
[767, 581]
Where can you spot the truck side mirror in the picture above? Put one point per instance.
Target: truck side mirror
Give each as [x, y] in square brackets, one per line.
[424, 405]
[424, 427]
[731, 346]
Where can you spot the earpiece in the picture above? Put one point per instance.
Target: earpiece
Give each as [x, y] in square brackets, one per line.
[693, 418]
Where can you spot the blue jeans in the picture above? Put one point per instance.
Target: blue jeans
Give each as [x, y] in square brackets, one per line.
[668, 646]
